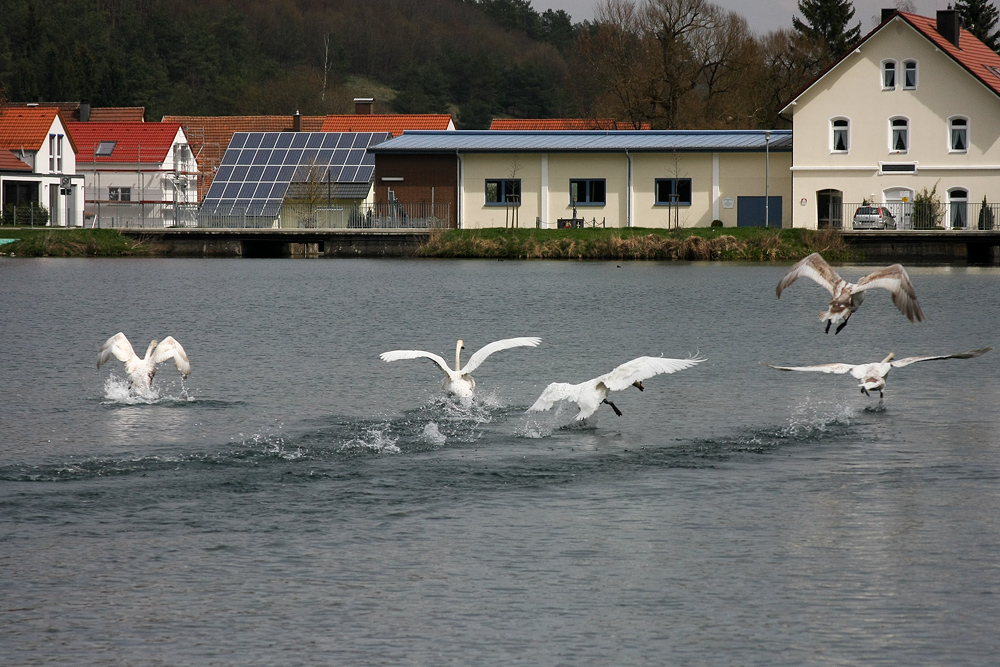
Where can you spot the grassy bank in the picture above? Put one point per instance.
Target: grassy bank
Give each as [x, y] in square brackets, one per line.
[729, 243]
[61, 242]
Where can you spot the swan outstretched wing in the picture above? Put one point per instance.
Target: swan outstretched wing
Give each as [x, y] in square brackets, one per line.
[555, 392]
[839, 369]
[642, 368]
[396, 355]
[117, 346]
[814, 267]
[480, 356]
[169, 348]
[895, 279]
[906, 361]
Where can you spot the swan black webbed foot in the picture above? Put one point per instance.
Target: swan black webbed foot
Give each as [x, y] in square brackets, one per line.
[828, 323]
[613, 407]
[842, 325]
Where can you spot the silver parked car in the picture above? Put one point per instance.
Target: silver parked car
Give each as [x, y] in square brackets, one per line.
[873, 217]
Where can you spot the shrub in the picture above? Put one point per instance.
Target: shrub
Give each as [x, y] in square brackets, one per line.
[927, 209]
[985, 215]
[25, 214]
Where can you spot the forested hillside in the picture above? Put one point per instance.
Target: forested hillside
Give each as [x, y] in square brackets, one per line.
[672, 63]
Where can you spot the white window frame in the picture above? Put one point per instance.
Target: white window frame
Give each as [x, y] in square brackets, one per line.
[895, 74]
[59, 153]
[952, 201]
[52, 153]
[916, 74]
[120, 193]
[892, 137]
[833, 134]
[951, 134]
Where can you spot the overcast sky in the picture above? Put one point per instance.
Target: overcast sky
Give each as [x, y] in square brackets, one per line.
[763, 16]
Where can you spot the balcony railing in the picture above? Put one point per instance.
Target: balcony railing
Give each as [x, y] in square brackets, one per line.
[956, 215]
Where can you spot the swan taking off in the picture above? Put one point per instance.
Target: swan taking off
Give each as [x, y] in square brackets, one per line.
[141, 371]
[872, 376]
[590, 394]
[847, 297]
[459, 382]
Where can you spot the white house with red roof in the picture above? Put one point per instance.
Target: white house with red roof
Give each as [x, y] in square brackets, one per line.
[137, 174]
[913, 108]
[38, 164]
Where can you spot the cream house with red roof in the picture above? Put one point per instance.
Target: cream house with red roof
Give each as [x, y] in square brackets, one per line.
[36, 138]
[137, 174]
[914, 106]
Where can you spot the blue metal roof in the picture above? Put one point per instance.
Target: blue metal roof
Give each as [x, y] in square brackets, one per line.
[494, 141]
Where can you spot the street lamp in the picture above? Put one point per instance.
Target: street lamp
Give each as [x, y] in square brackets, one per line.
[767, 179]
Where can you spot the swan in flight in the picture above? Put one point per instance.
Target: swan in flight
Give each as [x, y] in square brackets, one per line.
[141, 371]
[847, 297]
[589, 395]
[459, 382]
[872, 376]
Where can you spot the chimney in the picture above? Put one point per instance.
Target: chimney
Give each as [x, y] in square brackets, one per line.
[364, 105]
[949, 25]
[888, 13]
[84, 112]
[297, 122]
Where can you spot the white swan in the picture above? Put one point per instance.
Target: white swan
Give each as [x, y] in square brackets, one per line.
[590, 394]
[847, 297]
[872, 376]
[141, 371]
[459, 382]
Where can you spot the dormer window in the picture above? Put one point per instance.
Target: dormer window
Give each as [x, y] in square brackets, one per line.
[909, 75]
[958, 132]
[840, 135]
[889, 75]
[899, 138]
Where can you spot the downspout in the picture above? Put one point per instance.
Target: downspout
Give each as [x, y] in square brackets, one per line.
[629, 196]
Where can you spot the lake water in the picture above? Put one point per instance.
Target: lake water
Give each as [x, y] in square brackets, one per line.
[299, 502]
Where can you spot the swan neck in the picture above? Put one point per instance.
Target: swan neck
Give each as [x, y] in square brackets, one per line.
[458, 355]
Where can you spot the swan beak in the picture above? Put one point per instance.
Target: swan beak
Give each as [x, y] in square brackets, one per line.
[638, 385]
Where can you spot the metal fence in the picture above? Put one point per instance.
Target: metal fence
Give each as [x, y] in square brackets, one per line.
[956, 215]
[393, 215]
[136, 215]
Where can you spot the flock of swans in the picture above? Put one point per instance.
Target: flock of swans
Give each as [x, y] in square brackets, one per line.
[591, 394]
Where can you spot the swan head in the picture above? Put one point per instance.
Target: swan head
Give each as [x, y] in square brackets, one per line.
[459, 346]
[892, 355]
[638, 385]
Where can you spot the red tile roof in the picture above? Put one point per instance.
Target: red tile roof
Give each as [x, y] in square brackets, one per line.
[10, 162]
[555, 124]
[384, 122]
[148, 143]
[971, 54]
[209, 136]
[27, 127]
[117, 114]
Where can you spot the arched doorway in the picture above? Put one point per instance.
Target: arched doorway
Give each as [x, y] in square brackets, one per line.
[829, 209]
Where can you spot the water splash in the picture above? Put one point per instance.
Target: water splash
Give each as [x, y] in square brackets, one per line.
[118, 392]
[376, 439]
[433, 435]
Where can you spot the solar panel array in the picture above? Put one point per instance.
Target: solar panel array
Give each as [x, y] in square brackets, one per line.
[258, 167]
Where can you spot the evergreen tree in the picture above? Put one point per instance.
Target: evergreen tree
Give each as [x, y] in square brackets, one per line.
[827, 21]
[980, 18]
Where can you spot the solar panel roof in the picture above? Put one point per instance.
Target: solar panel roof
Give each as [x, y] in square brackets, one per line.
[258, 167]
